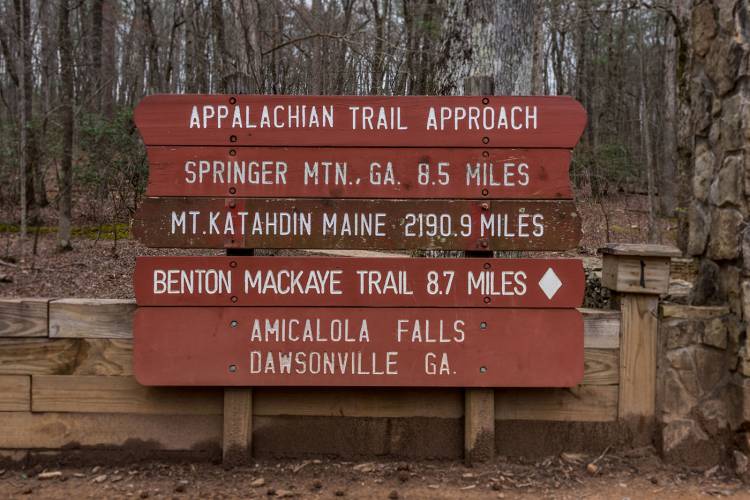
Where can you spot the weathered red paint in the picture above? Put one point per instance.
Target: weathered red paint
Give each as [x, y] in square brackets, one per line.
[360, 282]
[203, 346]
[406, 224]
[166, 120]
[359, 172]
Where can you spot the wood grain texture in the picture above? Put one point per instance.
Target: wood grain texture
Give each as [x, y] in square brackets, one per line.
[23, 317]
[165, 120]
[107, 357]
[338, 224]
[454, 173]
[641, 250]
[238, 426]
[630, 274]
[38, 356]
[109, 431]
[637, 390]
[602, 328]
[66, 356]
[396, 403]
[602, 367]
[579, 404]
[479, 425]
[102, 394]
[15, 393]
[91, 318]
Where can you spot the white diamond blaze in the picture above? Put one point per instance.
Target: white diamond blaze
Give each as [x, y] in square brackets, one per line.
[550, 283]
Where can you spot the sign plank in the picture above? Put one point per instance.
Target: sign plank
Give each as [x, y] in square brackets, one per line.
[359, 173]
[257, 346]
[414, 121]
[357, 224]
[360, 282]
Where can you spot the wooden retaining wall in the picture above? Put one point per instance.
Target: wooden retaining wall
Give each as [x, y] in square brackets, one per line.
[66, 383]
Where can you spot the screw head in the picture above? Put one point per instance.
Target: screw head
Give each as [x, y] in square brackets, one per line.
[483, 325]
[234, 298]
[233, 323]
[482, 369]
[232, 368]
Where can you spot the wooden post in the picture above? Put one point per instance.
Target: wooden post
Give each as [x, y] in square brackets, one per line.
[638, 274]
[238, 426]
[479, 404]
[237, 435]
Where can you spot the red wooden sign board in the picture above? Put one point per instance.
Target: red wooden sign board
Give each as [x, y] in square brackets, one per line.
[359, 172]
[213, 346]
[361, 282]
[414, 121]
[357, 224]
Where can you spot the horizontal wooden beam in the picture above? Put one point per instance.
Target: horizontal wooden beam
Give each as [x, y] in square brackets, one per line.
[37, 356]
[103, 431]
[91, 318]
[23, 317]
[94, 394]
[601, 328]
[112, 319]
[113, 394]
[579, 404]
[437, 403]
[68, 356]
[15, 393]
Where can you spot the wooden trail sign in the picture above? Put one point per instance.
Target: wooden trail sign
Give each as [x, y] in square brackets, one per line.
[414, 121]
[259, 346]
[360, 282]
[342, 172]
[357, 224]
[359, 172]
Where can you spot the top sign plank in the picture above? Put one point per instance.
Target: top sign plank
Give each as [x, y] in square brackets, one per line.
[413, 121]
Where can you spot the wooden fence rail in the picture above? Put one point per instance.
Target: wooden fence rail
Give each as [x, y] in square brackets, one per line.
[66, 381]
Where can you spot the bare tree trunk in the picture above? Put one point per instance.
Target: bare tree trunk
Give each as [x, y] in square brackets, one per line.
[107, 71]
[653, 232]
[538, 63]
[380, 12]
[220, 70]
[315, 21]
[22, 21]
[96, 53]
[488, 37]
[66, 111]
[668, 168]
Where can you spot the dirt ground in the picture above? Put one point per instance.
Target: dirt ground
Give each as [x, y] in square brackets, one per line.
[634, 475]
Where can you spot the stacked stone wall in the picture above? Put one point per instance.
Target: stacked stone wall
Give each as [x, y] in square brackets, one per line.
[705, 363]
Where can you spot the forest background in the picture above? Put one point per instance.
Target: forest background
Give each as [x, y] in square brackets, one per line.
[71, 71]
